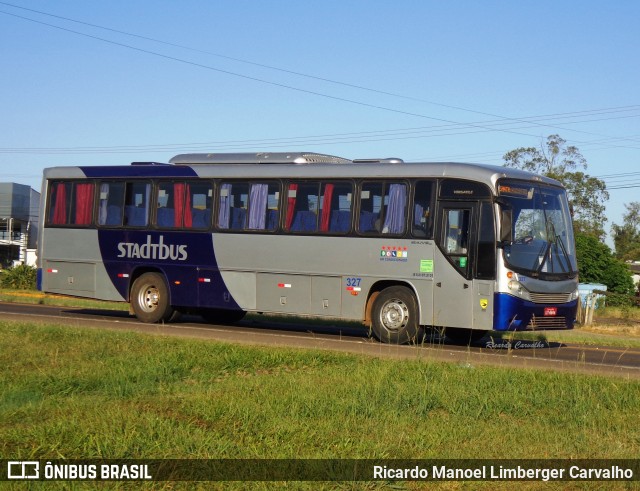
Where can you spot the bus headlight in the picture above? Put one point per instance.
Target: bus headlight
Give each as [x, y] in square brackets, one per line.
[515, 286]
[574, 295]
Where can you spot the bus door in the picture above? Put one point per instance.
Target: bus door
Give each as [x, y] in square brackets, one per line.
[453, 292]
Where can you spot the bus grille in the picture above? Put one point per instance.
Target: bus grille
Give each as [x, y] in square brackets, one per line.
[547, 323]
[550, 297]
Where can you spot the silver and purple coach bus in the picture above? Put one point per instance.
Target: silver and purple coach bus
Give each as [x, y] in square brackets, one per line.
[400, 246]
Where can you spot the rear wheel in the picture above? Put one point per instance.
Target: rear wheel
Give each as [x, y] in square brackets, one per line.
[394, 316]
[150, 298]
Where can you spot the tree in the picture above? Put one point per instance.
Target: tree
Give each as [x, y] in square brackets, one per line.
[587, 194]
[597, 264]
[626, 237]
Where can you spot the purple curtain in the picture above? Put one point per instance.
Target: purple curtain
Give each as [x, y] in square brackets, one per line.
[225, 206]
[258, 206]
[394, 217]
[104, 198]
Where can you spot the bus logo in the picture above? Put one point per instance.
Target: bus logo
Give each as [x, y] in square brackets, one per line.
[151, 250]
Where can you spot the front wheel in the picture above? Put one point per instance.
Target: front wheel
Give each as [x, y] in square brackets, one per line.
[394, 316]
[150, 298]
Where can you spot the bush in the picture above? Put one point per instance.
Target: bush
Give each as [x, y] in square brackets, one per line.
[20, 277]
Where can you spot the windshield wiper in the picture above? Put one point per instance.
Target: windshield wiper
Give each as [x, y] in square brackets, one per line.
[554, 239]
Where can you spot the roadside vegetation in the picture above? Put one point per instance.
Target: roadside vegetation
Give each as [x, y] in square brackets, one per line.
[81, 393]
[21, 277]
[38, 298]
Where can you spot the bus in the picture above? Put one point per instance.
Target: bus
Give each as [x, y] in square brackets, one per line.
[402, 247]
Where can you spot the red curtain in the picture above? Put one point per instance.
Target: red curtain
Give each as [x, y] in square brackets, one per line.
[181, 197]
[326, 208]
[84, 203]
[188, 217]
[291, 205]
[60, 206]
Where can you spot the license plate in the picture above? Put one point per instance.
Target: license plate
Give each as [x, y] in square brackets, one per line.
[550, 311]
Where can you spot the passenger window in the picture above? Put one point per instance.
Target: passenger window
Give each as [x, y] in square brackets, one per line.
[335, 207]
[302, 207]
[71, 203]
[59, 199]
[422, 224]
[200, 203]
[137, 204]
[110, 204]
[249, 206]
[232, 211]
[184, 205]
[383, 208]
[263, 206]
[124, 203]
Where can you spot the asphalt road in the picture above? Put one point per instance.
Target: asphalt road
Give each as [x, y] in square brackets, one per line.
[603, 360]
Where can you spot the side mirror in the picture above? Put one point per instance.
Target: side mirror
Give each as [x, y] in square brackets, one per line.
[506, 226]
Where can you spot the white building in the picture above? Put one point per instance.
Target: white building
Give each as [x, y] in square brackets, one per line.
[635, 271]
[19, 211]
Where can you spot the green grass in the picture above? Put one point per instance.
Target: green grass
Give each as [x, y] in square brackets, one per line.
[38, 298]
[617, 336]
[621, 313]
[74, 393]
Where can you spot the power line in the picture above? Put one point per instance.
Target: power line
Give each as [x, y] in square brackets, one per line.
[261, 65]
[256, 79]
[625, 174]
[478, 127]
[327, 139]
[635, 184]
[278, 69]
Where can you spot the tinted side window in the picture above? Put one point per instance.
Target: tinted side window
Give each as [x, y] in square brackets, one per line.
[111, 204]
[137, 200]
[302, 207]
[71, 203]
[263, 206]
[232, 205]
[456, 224]
[249, 206]
[184, 204]
[200, 204]
[486, 260]
[422, 224]
[383, 208]
[335, 207]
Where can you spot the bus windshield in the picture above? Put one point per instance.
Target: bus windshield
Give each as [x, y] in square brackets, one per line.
[541, 243]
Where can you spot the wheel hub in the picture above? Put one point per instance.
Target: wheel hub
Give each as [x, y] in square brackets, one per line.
[394, 315]
[150, 299]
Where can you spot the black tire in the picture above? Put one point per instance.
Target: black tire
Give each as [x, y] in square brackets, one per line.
[463, 336]
[394, 316]
[150, 298]
[222, 316]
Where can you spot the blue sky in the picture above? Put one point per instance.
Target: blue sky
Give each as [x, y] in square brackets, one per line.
[472, 80]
